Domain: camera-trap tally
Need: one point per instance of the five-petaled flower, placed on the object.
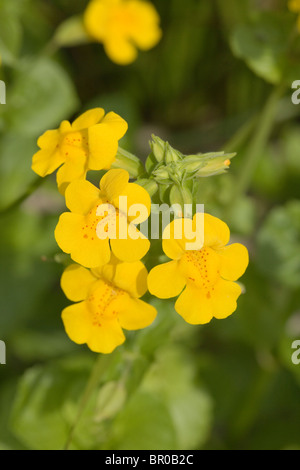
(77, 232)
(123, 26)
(203, 278)
(108, 301)
(90, 143)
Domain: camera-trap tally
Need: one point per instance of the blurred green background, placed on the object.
(219, 80)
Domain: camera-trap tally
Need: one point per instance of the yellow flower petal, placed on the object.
(114, 183)
(135, 194)
(45, 162)
(136, 314)
(76, 282)
(68, 226)
(96, 19)
(103, 146)
(74, 169)
(86, 251)
(234, 261)
(146, 32)
(77, 322)
(216, 232)
(65, 127)
(174, 241)
(88, 119)
(224, 299)
(82, 196)
(49, 140)
(120, 50)
(194, 306)
(117, 124)
(49, 158)
(107, 338)
(165, 281)
(130, 277)
(130, 250)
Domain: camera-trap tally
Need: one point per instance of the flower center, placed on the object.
(104, 222)
(75, 144)
(122, 19)
(90, 224)
(102, 302)
(201, 268)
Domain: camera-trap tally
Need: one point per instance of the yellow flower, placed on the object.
(294, 6)
(78, 232)
(202, 278)
(90, 143)
(108, 302)
(123, 26)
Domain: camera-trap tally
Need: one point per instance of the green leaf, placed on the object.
(189, 405)
(10, 31)
(263, 44)
(145, 424)
(71, 33)
(111, 399)
(46, 404)
(15, 166)
(41, 96)
(279, 245)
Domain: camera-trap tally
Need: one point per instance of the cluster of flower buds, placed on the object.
(173, 174)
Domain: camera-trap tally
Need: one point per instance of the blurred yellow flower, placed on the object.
(203, 279)
(108, 302)
(294, 6)
(90, 143)
(77, 232)
(123, 26)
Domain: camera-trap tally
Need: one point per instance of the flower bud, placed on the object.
(172, 155)
(149, 184)
(129, 162)
(207, 164)
(158, 147)
(215, 166)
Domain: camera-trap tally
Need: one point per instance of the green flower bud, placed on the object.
(215, 166)
(129, 162)
(149, 184)
(172, 155)
(161, 173)
(158, 147)
(207, 164)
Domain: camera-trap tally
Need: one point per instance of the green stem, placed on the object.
(100, 366)
(251, 406)
(262, 133)
(29, 191)
(241, 135)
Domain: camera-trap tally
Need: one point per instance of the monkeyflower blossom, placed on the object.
(123, 26)
(204, 278)
(90, 143)
(98, 223)
(108, 301)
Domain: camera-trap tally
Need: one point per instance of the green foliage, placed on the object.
(264, 44)
(279, 245)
